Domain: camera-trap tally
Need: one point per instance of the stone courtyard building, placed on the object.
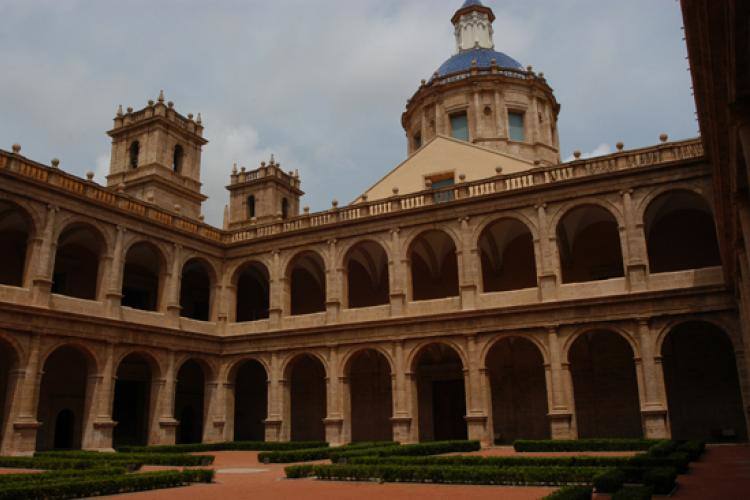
(482, 289)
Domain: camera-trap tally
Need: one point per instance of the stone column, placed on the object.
(173, 287)
(42, 261)
(334, 278)
(398, 269)
(559, 391)
(653, 404)
(278, 287)
(635, 255)
(215, 411)
(97, 415)
(166, 433)
(334, 420)
(277, 397)
(113, 292)
(548, 268)
(468, 266)
(402, 416)
(477, 415)
(21, 425)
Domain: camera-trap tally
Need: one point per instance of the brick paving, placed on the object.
(723, 473)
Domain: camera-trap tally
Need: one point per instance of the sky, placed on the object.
(321, 84)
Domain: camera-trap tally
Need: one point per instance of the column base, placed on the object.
(273, 430)
(166, 434)
(334, 428)
(655, 423)
(22, 441)
(99, 437)
(402, 430)
(561, 425)
(476, 426)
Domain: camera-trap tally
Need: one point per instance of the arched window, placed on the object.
(434, 267)
(307, 281)
(253, 292)
(284, 208)
(177, 159)
(195, 291)
(250, 207)
(367, 275)
(15, 229)
(441, 395)
(142, 277)
(135, 149)
(507, 252)
(76, 271)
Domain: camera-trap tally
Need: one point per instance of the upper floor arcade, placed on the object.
(628, 223)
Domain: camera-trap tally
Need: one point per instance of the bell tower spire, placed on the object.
(473, 26)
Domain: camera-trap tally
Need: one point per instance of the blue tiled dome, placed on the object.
(484, 57)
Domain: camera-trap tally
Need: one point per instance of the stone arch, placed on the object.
(702, 383)
(143, 276)
(17, 229)
(518, 389)
(368, 373)
(197, 281)
(306, 377)
(589, 244)
(306, 279)
(680, 232)
(252, 283)
(507, 256)
(249, 379)
(433, 265)
(63, 395)
(367, 280)
(441, 392)
(78, 257)
(133, 399)
(190, 399)
(605, 384)
(10, 357)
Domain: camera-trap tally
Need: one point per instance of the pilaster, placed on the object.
(559, 391)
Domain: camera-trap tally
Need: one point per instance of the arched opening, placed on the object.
(680, 233)
(519, 390)
(588, 239)
(15, 230)
(188, 402)
(131, 405)
(507, 252)
(8, 363)
(703, 388)
(434, 266)
(441, 394)
(62, 399)
(76, 271)
(141, 279)
(367, 275)
(253, 292)
(250, 207)
(177, 158)
(307, 279)
(307, 376)
(284, 208)
(195, 290)
(135, 150)
(605, 386)
(250, 402)
(370, 397)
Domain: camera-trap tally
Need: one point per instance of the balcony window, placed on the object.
(460, 126)
(515, 123)
(438, 182)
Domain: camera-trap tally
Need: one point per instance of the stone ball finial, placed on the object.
(16, 148)
(121, 188)
(242, 170)
(170, 105)
(55, 163)
(493, 62)
(190, 116)
(150, 102)
(423, 82)
(395, 190)
(364, 197)
(436, 74)
(462, 177)
(177, 207)
(89, 175)
(530, 68)
(262, 164)
(498, 170)
(537, 163)
(306, 210)
(577, 154)
(473, 63)
(663, 137)
(541, 74)
(201, 217)
(130, 109)
(335, 203)
(428, 183)
(620, 146)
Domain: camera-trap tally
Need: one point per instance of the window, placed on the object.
(284, 208)
(442, 181)
(250, 207)
(515, 122)
(177, 159)
(417, 140)
(460, 126)
(135, 149)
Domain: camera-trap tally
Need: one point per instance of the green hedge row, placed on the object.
(50, 463)
(571, 493)
(142, 458)
(98, 486)
(60, 474)
(421, 449)
(585, 445)
(228, 446)
(291, 456)
(661, 479)
(449, 474)
(634, 493)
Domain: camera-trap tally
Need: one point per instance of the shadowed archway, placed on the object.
(371, 402)
(15, 232)
(307, 398)
(434, 266)
(190, 402)
(441, 393)
(507, 253)
(132, 401)
(367, 275)
(250, 401)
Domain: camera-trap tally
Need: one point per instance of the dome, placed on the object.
(462, 61)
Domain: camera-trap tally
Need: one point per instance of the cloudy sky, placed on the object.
(320, 83)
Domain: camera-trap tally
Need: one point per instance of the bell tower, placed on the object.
(156, 157)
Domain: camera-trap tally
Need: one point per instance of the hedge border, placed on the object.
(225, 446)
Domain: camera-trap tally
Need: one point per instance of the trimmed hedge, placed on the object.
(694, 449)
(585, 445)
(50, 463)
(662, 479)
(610, 481)
(60, 474)
(285, 457)
(449, 475)
(634, 493)
(98, 486)
(571, 493)
(228, 446)
(421, 449)
(142, 458)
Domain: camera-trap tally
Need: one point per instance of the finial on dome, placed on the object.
(161, 95)
(119, 110)
(273, 161)
(199, 120)
(234, 169)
